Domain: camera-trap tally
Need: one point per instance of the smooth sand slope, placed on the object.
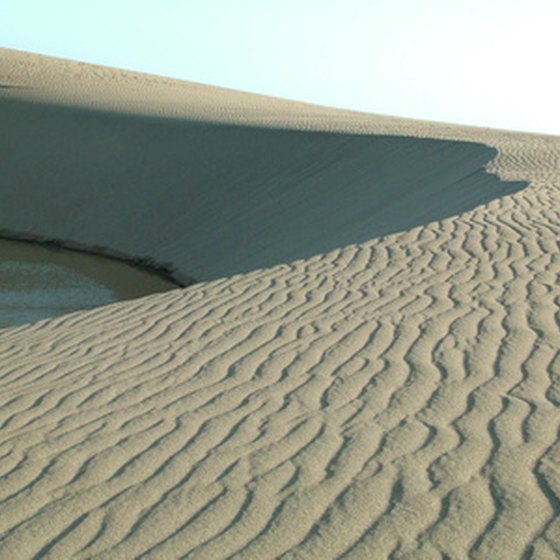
(371, 369)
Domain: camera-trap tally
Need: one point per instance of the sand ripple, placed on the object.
(396, 398)
(392, 397)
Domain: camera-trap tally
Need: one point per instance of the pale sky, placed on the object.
(483, 62)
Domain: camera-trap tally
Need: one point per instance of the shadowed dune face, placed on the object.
(215, 200)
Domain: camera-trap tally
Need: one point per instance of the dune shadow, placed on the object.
(216, 199)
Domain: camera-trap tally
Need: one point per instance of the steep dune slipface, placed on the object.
(394, 397)
(217, 199)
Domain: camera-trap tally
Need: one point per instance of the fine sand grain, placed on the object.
(369, 369)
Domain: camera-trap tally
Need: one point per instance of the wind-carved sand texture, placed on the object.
(371, 368)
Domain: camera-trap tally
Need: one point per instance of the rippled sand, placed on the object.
(371, 369)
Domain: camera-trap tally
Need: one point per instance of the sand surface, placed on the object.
(369, 367)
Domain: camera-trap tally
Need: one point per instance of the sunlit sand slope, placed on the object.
(390, 396)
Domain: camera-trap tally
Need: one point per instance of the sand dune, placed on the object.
(371, 368)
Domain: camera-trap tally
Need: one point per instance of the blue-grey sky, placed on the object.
(482, 62)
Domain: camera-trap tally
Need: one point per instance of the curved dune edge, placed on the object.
(216, 199)
(396, 397)
(163, 270)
